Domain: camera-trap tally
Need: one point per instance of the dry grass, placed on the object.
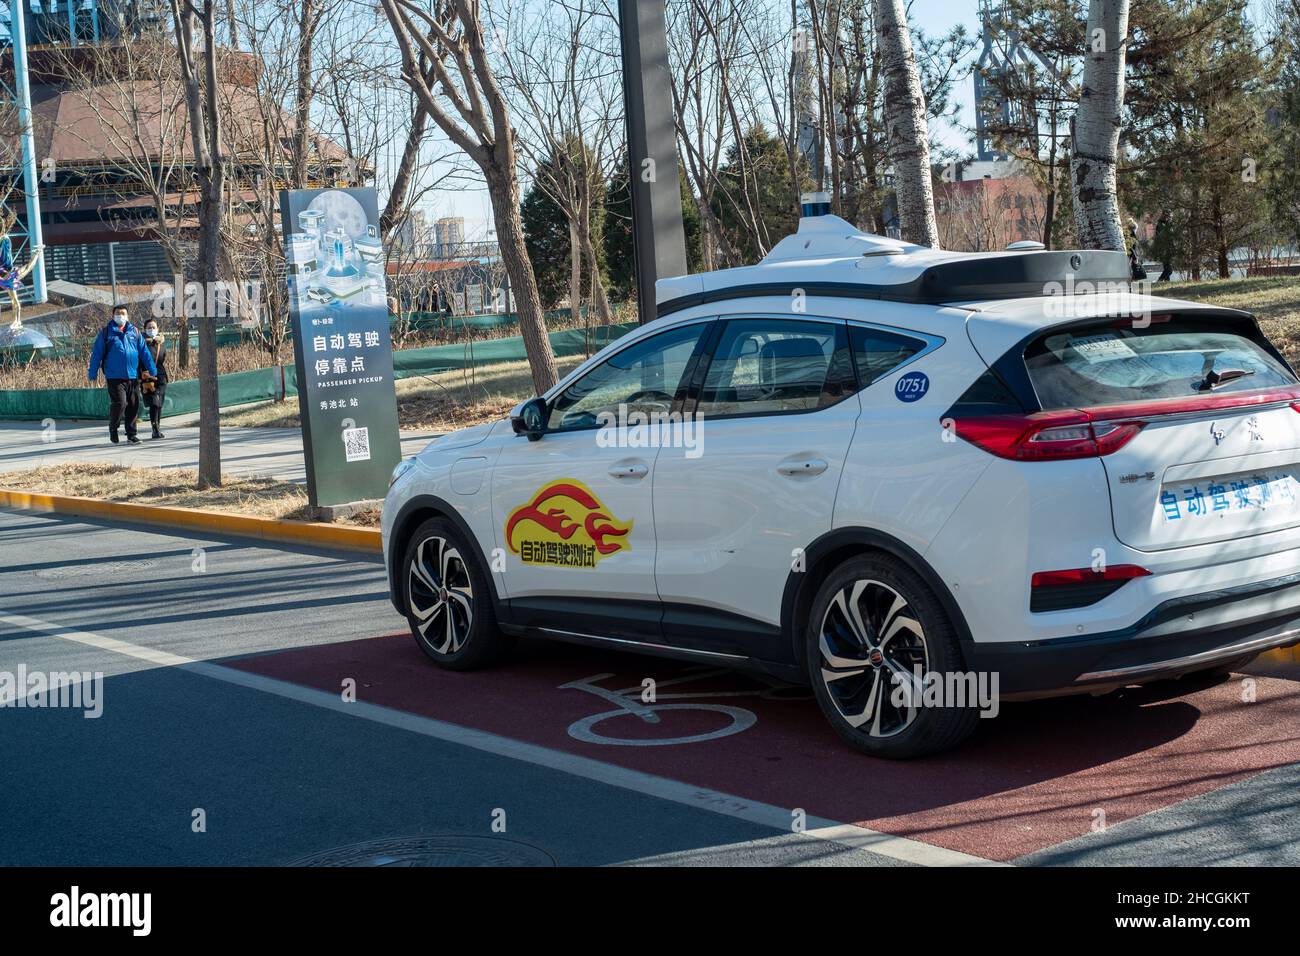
(1274, 299)
(444, 401)
(176, 488)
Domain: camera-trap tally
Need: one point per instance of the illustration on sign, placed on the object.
(338, 301)
(565, 525)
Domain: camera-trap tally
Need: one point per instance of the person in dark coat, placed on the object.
(120, 353)
(154, 387)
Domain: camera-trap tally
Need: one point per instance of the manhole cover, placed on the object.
(88, 570)
(432, 851)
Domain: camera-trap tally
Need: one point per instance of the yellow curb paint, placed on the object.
(312, 533)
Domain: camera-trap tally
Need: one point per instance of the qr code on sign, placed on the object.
(356, 443)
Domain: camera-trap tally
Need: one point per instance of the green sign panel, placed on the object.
(338, 303)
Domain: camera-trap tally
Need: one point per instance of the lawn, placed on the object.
(1274, 299)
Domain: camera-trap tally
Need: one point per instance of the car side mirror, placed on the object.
(530, 419)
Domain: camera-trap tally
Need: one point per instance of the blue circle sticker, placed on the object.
(912, 387)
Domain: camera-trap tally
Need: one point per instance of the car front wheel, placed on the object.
(875, 634)
(448, 601)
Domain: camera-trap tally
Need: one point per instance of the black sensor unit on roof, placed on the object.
(962, 280)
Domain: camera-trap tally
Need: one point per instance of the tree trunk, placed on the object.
(307, 20)
(575, 275)
(907, 126)
(504, 192)
(1096, 127)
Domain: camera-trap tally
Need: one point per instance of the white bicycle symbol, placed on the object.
(630, 703)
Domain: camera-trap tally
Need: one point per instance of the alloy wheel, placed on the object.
(440, 595)
(870, 644)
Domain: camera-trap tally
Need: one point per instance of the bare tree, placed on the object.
(907, 126)
(195, 25)
(564, 78)
(462, 96)
(1097, 127)
(135, 104)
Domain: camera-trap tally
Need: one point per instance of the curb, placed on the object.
(312, 533)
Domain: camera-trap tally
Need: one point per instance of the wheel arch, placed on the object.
(414, 513)
(835, 547)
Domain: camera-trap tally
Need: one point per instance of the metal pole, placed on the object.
(658, 237)
(112, 268)
(30, 180)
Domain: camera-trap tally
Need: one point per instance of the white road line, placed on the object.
(763, 814)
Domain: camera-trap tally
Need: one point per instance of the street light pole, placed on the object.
(658, 237)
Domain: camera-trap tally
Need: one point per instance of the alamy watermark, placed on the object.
(75, 690)
(955, 689)
(637, 429)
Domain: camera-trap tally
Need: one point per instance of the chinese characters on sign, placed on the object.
(1219, 496)
(343, 352)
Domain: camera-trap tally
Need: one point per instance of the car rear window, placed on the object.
(1112, 363)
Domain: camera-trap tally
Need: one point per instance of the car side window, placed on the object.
(641, 378)
(877, 353)
(770, 366)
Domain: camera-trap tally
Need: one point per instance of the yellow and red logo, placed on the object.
(567, 526)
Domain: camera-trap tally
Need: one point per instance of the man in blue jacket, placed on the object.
(120, 353)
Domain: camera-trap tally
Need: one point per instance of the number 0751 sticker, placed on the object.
(912, 387)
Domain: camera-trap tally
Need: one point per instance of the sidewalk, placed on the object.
(245, 452)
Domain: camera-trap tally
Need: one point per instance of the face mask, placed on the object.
(120, 320)
(152, 334)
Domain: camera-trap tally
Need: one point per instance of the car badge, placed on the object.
(1216, 432)
(1252, 425)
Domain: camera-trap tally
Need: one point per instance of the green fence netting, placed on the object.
(261, 384)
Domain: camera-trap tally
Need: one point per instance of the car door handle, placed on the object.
(629, 469)
(793, 467)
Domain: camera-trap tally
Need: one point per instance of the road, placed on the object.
(245, 452)
(265, 706)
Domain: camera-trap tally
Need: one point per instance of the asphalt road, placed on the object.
(272, 696)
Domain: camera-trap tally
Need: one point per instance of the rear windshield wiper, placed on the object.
(1214, 379)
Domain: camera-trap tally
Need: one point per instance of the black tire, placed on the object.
(883, 729)
(449, 600)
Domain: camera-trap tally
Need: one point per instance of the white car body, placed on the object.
(728, 548)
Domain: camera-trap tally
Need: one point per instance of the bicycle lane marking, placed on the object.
(1029, 780)
(714, 801)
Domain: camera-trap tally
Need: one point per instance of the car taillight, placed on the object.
(1078, 587)
(1115, 572)
(1046, 436)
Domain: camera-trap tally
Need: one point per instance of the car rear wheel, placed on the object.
(874, 633)
(448, 600)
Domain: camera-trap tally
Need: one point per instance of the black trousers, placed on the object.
(124, 404)
(155, 404)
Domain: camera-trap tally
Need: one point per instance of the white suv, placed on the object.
(868, 464)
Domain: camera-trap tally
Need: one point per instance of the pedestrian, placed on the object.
(1162, 247)
(153, 388)
(120, 353)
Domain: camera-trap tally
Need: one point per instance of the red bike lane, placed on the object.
(1039, 774)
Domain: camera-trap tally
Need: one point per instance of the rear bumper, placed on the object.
(1178, 637)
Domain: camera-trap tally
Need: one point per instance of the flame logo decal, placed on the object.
(566, 525)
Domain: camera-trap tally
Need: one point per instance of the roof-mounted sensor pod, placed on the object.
(815, 204)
